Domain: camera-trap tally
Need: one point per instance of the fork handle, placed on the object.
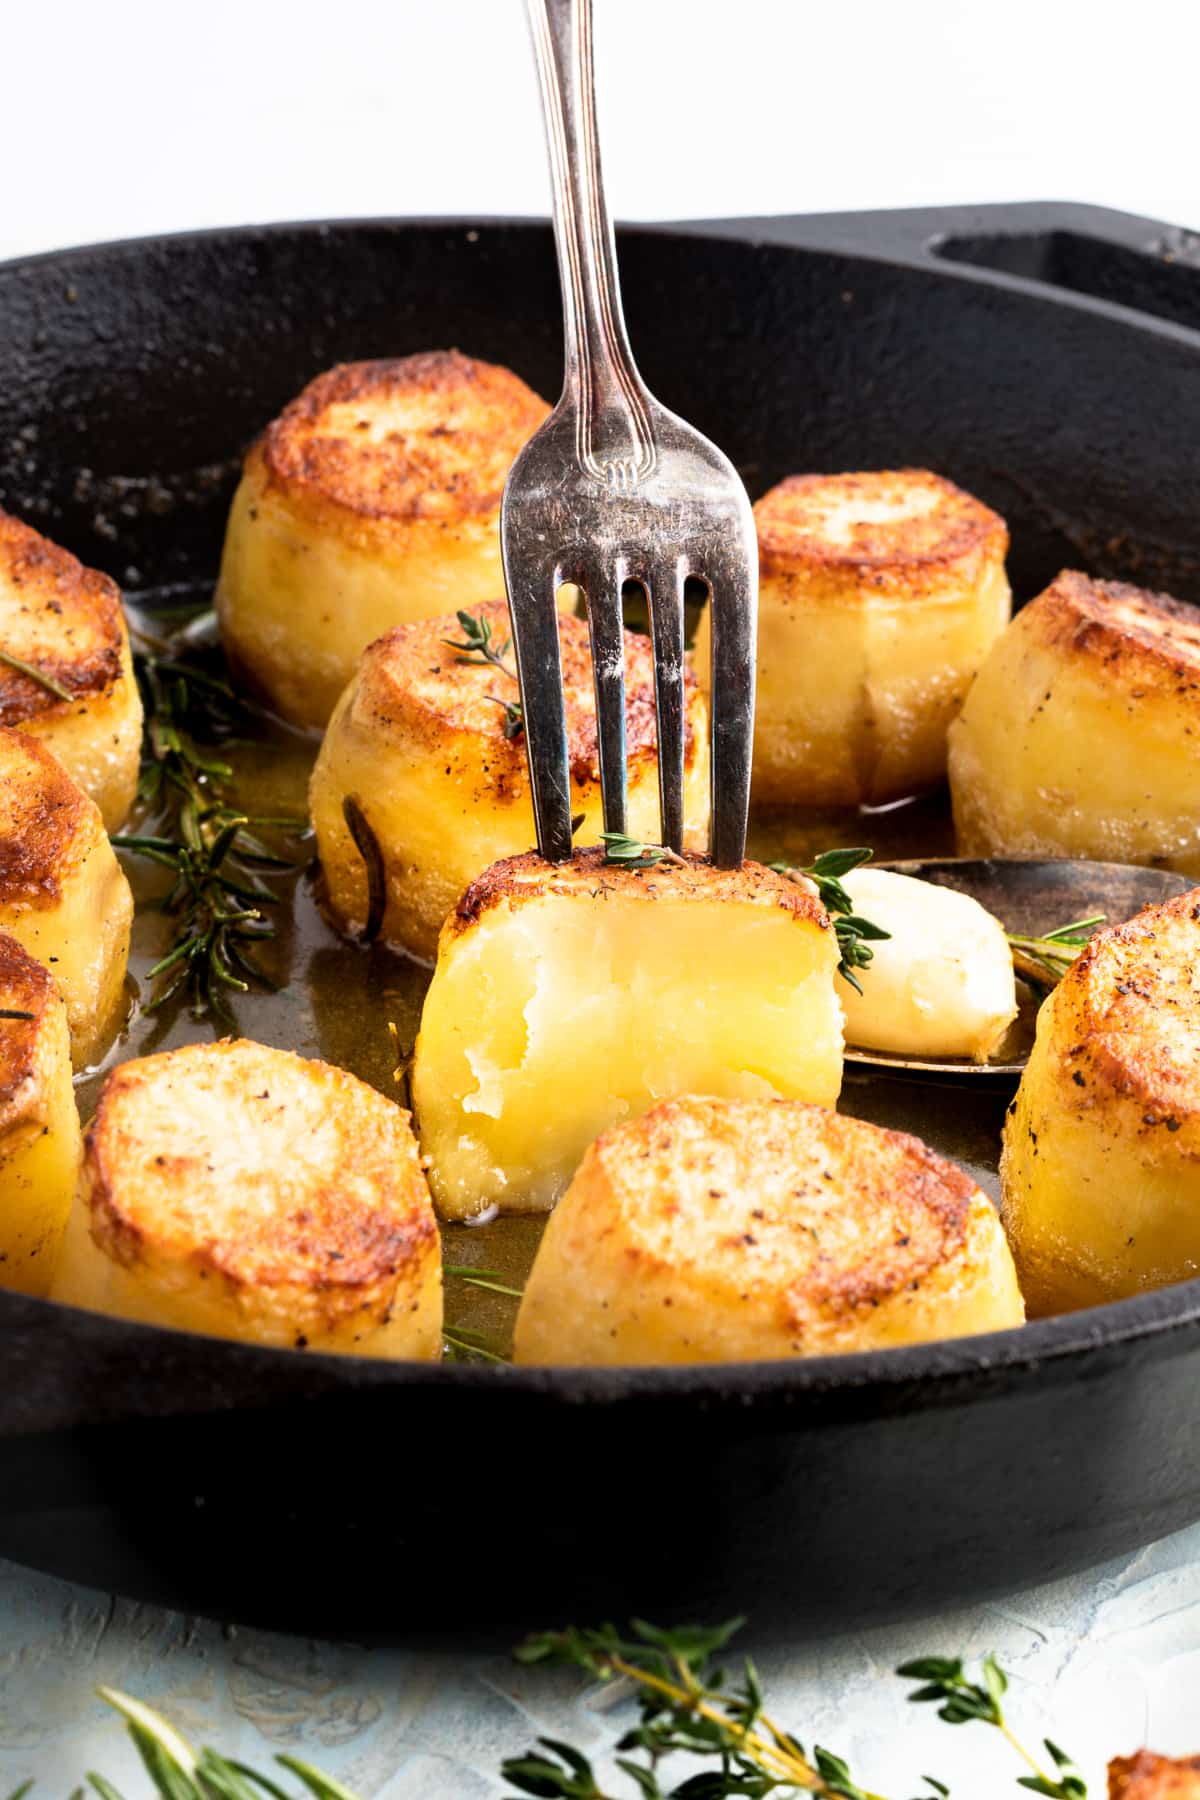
(614, 441)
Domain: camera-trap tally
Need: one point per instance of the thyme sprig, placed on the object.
(218, 858)
(854, 933)
(1043, 961)
(478, 645)
(619, 849)
(687, 1706)
(961, 1702)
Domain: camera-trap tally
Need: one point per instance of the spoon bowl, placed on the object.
(1029, 897)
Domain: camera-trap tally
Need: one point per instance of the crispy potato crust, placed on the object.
(519, 879)
(249, 1193)
(1134, 1003)
(411, 678)
(47, 824)
(415, 437)
(1150, 1777)
(57, 616)
(181, 1157)
(896, 530)
(1148, 640)
(714, 1230)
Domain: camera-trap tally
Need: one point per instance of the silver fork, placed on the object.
(615, 488)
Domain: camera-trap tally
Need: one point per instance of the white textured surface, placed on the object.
(1105, 1662)
(134, 117)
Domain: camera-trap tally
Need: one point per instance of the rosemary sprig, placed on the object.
(960, 1702)
(459, 1342)
(1043, 961)
(39, 675)
(854, 933)
(215, 852)
(479, 646)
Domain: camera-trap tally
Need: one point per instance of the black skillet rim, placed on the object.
(933, 1373)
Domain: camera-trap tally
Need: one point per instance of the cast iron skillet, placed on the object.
(1000, 346)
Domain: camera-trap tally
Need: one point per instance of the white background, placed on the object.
(128, 116)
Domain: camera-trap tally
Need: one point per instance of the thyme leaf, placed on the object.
(478, 645)
(620, 849)
(854, 933)
(960, 1701)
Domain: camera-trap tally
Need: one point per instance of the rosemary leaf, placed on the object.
(39, 675)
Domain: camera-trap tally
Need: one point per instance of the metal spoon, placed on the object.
(1029, 897)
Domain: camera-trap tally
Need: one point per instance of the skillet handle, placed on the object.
(1145, 265)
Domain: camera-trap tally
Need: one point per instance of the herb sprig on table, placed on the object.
(219, 899)
(687, 1708)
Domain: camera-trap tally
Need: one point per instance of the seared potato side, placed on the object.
(68, 623)
(372, 499)
(733, 1231)
(569, 997)
(1149, 1777)
(1100, 1170)
(241, 1191)
(39, 1127)
(1081, 735)
(420, 744)
(63, 894)
(879, 597)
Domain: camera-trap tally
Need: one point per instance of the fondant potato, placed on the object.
(373, 498)
(737, 1231)
(247, 1193)
(567, 998)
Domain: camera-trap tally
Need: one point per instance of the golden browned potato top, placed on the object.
(56, 616)
(267, 1168)
(1149, 1777)
(411, 676)
(46, 823)
(427, 436)
(26, 987)
(861, 1213)
(1148, 640)
(519, 879)
(1131, 1008)
(884, 527)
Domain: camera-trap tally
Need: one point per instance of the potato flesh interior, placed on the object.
(439, 824)
(83, 939)
(1051, 759)
(39, 1158)
(549, 1023)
